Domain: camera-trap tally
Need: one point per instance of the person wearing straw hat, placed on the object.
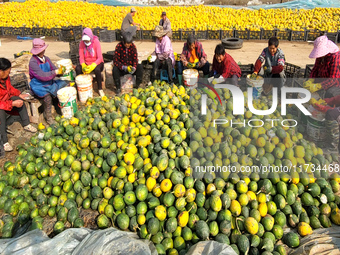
(326, 71)
(91, 58)
(11, 102)
(128, 25)
(166, 24)
(165, 57)
(42, 73)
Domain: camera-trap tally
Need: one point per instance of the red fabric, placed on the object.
(333, 101)
(277, 69)
(6, 94)
(125, 57)
(227, 68)
(258, 65)
(327, 67)
(322, 108)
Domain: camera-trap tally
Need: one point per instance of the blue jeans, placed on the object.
(181, 67)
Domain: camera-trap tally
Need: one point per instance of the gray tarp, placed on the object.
(80, 241)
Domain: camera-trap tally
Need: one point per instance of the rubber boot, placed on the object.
(180, 79)
(332, 127)
(47, 103)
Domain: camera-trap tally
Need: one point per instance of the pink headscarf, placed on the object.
(87, 31)
(322, 47)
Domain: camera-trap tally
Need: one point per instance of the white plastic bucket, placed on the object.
(68, 101)
(67, 63)
(256, 84)
(84, 86)
(190, 78)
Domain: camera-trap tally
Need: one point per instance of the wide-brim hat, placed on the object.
(322, 47)
(38, 46)
(159, 31)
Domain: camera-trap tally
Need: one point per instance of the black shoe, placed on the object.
(118, 92)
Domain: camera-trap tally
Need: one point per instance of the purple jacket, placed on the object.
(36, 72)
(164, 49)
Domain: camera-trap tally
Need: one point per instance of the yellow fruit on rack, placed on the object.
(211, 17)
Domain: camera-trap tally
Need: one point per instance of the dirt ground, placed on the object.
(296, 53)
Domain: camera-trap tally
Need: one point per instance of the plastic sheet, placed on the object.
(300, 4)
(211, 248)
(322, 241)
(78, 241)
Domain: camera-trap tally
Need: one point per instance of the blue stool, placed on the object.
(164, 75)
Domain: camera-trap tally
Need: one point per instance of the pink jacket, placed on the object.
(90, 54)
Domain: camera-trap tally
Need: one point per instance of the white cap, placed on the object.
(86, 38)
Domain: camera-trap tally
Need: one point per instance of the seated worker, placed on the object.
(331, 106)
(125, 61)
(273, 60)
(164, 53)
(224, 65)
(193, 56)
(128, 21)
(326, 70)
(166, 24)
(11, 101)
(42, 73)
(91, 57)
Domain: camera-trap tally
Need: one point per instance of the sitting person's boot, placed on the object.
(47, 103)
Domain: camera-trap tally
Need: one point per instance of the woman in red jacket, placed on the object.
(11, 100)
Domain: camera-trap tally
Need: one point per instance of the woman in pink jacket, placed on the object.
(90, 57)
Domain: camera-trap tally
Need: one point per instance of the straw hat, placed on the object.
(159, 31)
(38, 46)
(323, 46)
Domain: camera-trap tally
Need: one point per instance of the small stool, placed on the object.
(32, 107)
(103, 78)
(164, 75)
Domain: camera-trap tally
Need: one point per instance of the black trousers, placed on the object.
(117, 73)
(3, 116)
(162, 64)
(97, 71)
